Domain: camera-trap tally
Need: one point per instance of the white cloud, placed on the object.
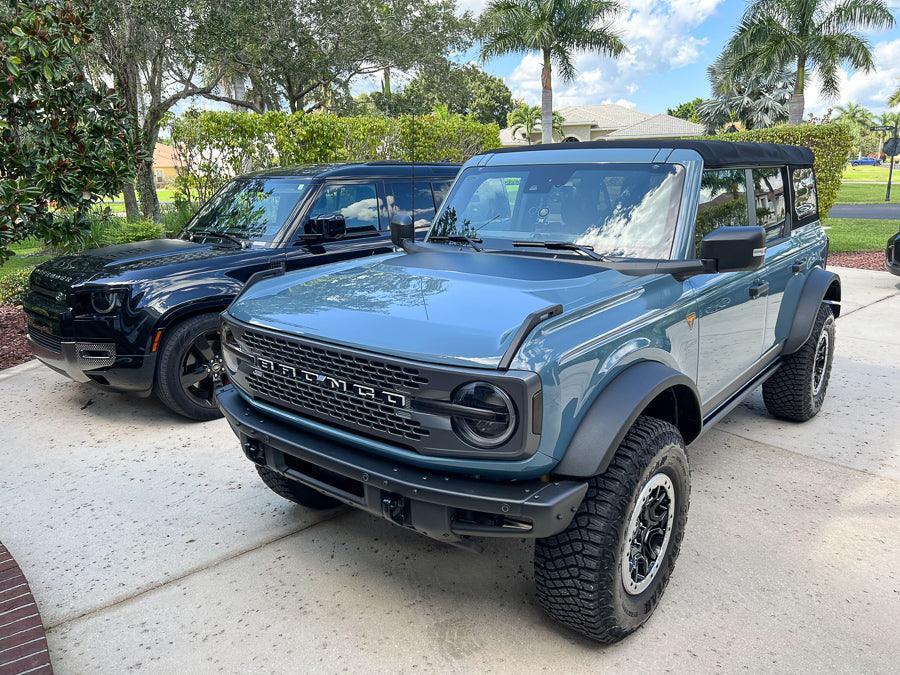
(869, 89)
(659, 37)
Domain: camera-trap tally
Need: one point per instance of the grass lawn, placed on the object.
(873, 193)
(872, 173)
(849, 235)
(27, 255)
(117, 203)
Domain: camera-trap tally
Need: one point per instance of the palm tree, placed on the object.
(811, 34)
(894, 100)
(524, 118)
(754, 99)
(555, 28)
(855, 115)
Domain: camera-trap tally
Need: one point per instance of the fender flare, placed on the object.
(615, 409)
(820, 286)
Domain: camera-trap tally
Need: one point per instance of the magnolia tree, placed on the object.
(66, 145)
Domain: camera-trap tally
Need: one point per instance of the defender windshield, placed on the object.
(621, 210)
(249, 210)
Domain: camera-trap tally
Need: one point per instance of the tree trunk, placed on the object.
(546, 101)
(147, 189)
(796, 102)
(132, 212)
(386, 84)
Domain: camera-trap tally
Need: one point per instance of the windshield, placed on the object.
(251, 210)
(621, 210)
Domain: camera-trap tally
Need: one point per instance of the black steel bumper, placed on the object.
(443, 506)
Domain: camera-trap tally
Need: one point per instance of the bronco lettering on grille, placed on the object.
(391, 398)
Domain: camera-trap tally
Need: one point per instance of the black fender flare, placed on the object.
(820, 286)
(615, 409)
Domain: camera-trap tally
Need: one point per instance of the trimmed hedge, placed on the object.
(830, 144)
(13, 287)
(214, 146)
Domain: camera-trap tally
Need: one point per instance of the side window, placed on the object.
(440, 190)
(358, 203)
(723, 202)
(770, 200)
(411, 199)
(806, 205)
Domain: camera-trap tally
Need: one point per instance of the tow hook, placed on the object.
(393, 507)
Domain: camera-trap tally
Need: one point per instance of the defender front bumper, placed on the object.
(443, 506)
(72, 359)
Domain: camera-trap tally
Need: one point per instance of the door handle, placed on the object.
(799, 266)
(758, 289)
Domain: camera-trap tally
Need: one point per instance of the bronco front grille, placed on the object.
(348, 410)
(45, 340)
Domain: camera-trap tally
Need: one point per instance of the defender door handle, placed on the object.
(799, 266)
(758, 289)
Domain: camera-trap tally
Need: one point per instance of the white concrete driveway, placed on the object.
(151, 545)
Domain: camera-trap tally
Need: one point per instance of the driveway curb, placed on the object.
(23, 644)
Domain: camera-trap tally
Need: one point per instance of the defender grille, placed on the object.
(45, 340)
(355, 412)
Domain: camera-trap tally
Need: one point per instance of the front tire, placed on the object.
(604, 574)
(797, 389)
(294, 491)
(190, 367)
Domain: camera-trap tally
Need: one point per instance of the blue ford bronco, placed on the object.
(576, 315)
(144, 317)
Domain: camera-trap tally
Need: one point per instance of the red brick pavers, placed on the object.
(23, 645)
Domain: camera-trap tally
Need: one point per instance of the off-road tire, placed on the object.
(294, 491)
(790, 394)
(578, 572)
(168, 387)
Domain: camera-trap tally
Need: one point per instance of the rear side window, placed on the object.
(770, 200)
(440, 189)
(806, 205)
(408, 198)
(357, 202)
(723, 201)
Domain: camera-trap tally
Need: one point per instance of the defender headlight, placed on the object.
(105, 302)
(486, 416)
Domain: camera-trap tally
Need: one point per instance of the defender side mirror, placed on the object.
(734, 249)
(326, 226)
(402, 230)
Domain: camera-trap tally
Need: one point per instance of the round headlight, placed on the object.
(104, 302)
(490, 418)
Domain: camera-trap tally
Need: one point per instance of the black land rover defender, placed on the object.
(144, 317)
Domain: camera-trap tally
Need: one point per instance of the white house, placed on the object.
(609, 121)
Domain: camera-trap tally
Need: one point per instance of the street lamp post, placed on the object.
(891, 148)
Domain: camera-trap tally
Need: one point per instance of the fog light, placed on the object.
(490, 418)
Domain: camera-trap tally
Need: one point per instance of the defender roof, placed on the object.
(361, 170)
(715, 154)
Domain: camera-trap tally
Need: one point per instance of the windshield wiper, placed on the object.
(562, 246)
(220, 235)
(474, 242)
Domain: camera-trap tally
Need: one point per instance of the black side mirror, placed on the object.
(734, 249)
(402, 229)
(327, 226)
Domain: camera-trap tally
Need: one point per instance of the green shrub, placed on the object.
(830, 144)
(175, 217)
(214, 146)
(13, 287)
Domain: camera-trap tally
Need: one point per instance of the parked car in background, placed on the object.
(144, 317)
(892, 255)
(577, 314)
(865, 161)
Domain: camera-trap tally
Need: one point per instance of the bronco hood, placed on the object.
(120, 260)
(446, 307)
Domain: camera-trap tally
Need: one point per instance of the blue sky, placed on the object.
(671, 44)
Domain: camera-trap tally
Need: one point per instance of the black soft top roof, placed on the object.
(715, 154)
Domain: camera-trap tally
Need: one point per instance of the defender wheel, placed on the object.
(294, 491)
(797, 389)
(604, 574)
(190, 367)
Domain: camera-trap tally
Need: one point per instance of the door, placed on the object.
(410, 198)
(731, 305)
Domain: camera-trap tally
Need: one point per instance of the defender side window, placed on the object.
(770, 201)
(440, 189)
(723, 202)
(407, 198)
(357, 202)
(806, 205)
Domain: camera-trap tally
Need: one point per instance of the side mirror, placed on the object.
(402, 230)
(734, 249)
(327, 226)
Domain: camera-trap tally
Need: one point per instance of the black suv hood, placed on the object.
(122, 259)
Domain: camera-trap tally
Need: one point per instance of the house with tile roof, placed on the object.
(609, 120)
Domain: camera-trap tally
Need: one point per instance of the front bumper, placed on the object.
(444, 506)
(73, 359)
